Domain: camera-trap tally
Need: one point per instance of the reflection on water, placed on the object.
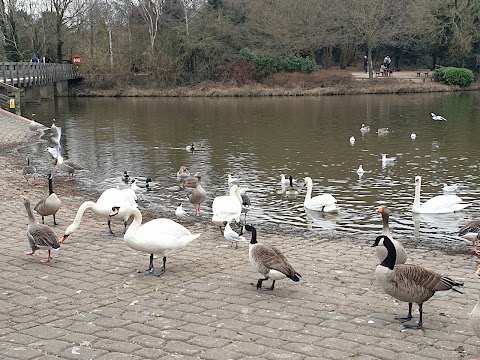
(257, 140)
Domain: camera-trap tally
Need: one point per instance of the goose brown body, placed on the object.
(471, 231)
(50, 204)
(29, 171)
(198, 194)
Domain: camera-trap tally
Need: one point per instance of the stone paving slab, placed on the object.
(90, 303)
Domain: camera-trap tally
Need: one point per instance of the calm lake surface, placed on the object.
(258, 139)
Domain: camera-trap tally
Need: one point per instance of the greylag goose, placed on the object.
(382, 253)
(440, 204)
(198, 194)
(158, 236)
(268, 261)
(50, 204)
(29, 171)
(39, 235)
(103, 207)
(231, 235)
(324, 202)
(471, 232)
(410, 283)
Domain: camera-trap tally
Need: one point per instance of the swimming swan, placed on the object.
(324, 202)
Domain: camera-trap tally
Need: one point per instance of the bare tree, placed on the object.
(151, 11)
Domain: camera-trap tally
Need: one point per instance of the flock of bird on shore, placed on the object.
(405, 282)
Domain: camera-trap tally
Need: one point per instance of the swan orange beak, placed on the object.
(114, 211)
(64, 237)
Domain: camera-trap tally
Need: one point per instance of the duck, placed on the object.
(413, 136)
(352, 140)
(180, 212)
(410, 283)
(142, 182)
(268, 261)
(50, 204)
(125, 177)
(103, 207)
(231, 235)
(198, 194)
(139, 186)
(383, 131)
(232, 180)
(475, 314)
(450, 188)
(227, 208)
(29, 171)
(381, 251)
(360, 170)
(194, 146)
(437, 117)
(471, 232)
(365, 128)
(440, 204)
(324, 202)
(386, 159)
(40, 236)
(183, 172)
(159, 236)
(245, 202)
(291, 191)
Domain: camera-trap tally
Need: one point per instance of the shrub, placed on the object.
(454, 76)
(239, 73)
(321, 78)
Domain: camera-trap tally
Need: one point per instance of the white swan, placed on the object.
(158, 236)
(227, 208)
(324, 202)
(440, 204)
(438, 117)
(103, 207)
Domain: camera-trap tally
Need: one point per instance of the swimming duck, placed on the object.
(231, 235)
(29, 171)
(227, 208)
(381, 251)
(50, 204)
(183, 172)
(440, 204)
(158, 236)
(438, 117)
(410, 283)
(103, 207)
(40, 236)
(471, 232)
(268, 261)
(198, 194)
(324, 202)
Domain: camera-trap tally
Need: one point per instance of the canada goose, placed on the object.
(39, 235)
(231, 235)
(158, 236)
(401, 257)
(29, 171)
(475, 314)
(268, 261)
(410, 283)
(183, 172)
(440, 204)
(198, 194)
(103, 207)
(324, 202)
(352, 140)
(471, 232)
(180, 212)
(227, 208)
(365, 128)
(438, 117)
(291, 190)
(245, 202)
(50, 204)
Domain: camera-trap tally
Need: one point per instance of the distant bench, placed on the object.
(380, 73)
(426, 72)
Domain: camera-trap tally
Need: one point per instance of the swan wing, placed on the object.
(320, 202)
(442, 204)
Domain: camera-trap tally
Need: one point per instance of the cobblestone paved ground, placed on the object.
(89, 302)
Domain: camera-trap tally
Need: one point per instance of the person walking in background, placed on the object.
(387, 62)
(365, 63)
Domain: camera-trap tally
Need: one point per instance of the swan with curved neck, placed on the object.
(324, 202)
(103, 207)
(440, 204)
(158, 236)
(227, 208)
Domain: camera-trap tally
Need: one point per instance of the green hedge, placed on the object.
(454, 76)
(267, 64)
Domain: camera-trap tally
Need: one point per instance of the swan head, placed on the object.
(418, 180)
(308, 181)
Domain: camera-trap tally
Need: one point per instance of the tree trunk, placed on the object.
(59, 39)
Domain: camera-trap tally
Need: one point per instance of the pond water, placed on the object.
(258, 139)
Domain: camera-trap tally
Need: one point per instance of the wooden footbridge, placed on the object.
(33, 81)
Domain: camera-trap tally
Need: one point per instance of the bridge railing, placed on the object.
(24, 74)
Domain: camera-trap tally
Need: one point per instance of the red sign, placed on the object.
(76, 59)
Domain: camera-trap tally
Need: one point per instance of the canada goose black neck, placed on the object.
(254, 233)
(50, 184)
(290, 179)
(389, 261)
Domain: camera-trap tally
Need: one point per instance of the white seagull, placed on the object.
(438, 117)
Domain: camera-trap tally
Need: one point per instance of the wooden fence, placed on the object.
(24, 74)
